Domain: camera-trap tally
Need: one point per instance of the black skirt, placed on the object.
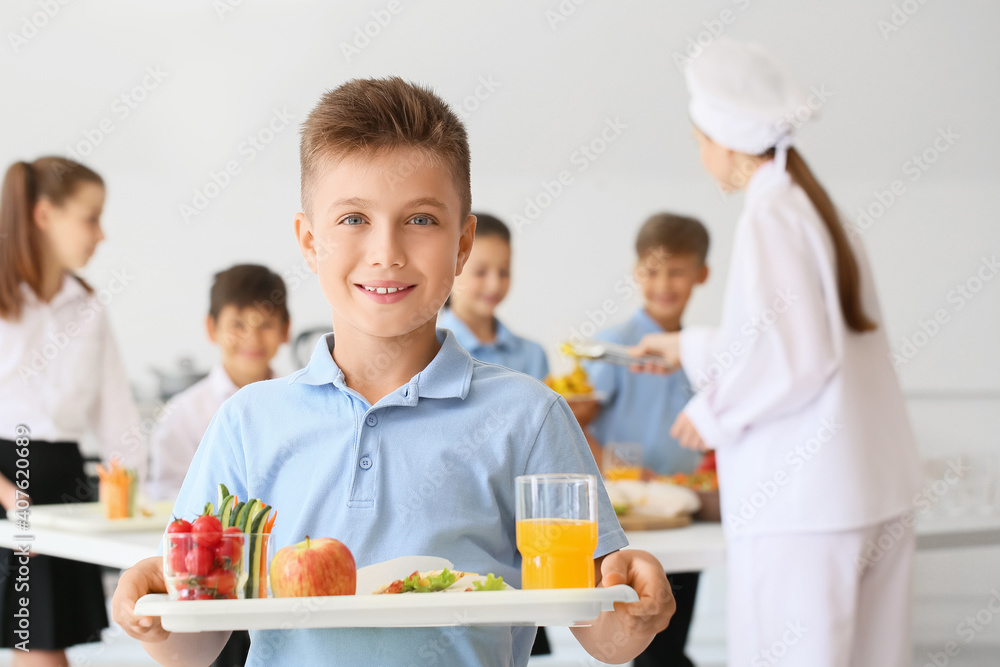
(65, 597)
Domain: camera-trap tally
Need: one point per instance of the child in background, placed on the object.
(61, 377)
(388, 402)
(639, 407)
(248, 319)
(477, 294)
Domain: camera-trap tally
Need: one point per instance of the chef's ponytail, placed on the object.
(25, 183)
(848, 276)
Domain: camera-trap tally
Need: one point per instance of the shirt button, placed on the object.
(371, 419)
(366, 462)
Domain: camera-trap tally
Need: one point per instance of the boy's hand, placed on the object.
(144, 577)
(620, 635)
(666, 345)
(685, 433)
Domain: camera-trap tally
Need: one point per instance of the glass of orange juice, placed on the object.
(557, 530)
(622, 460)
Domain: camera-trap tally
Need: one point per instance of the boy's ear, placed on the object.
(306, 240)
(703, 273)
(210, 327)
(465, 243)
(285, 330)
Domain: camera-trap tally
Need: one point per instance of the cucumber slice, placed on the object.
(225, 509)
(246, 515)
(223, 492)
(234, 516)
(209, 509)
(254, 527)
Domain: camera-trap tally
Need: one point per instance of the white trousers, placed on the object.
(838, 599)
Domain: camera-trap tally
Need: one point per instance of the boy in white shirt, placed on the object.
(248, 320)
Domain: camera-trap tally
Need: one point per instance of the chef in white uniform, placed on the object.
(796, 393)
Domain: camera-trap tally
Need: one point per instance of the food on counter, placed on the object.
(657, 498)
(699, 481)
(446, 581)
(569, 386)
(116, 490)
(323, 566)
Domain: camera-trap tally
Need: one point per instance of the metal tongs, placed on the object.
(612, 353)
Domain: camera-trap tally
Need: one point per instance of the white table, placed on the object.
(703, 545)
(696, 547)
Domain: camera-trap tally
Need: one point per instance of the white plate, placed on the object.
(565, 606)
(89, 518)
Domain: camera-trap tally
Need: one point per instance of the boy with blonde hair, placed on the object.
(392, 420)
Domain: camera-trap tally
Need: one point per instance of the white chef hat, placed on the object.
(745, 99)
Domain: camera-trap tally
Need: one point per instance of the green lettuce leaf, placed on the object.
(491, 584)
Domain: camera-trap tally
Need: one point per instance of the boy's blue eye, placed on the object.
(421, 220)
(354, 220)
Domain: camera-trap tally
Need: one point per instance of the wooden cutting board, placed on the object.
(637, 521)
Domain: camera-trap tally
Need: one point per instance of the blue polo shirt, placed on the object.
(427, 470)
(507, 349)
(641, 407)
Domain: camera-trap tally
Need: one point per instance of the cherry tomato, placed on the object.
(199, 561)
(225, 584)
(230, 549)
(207, 530)
(186, 593)
(179, 526)
(177, 559)
(204, 596)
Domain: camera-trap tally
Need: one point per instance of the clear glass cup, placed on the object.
(198, 567)
(556, 527)
(622, 460)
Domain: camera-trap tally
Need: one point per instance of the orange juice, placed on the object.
(557, 553)
(623, 472)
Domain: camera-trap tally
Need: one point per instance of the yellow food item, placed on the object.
(117, 490)
(574, 384)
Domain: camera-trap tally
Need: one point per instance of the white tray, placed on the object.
(89, 518)
(564, 606)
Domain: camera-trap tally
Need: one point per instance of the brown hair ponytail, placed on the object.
(51, 178)
(848, 277)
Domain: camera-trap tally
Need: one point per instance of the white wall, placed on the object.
(555, 88)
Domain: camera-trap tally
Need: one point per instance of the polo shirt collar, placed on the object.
(504, 338)
(447, 376)
(222, 385)
(646, 324)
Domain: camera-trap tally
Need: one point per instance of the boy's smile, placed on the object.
(386, 244)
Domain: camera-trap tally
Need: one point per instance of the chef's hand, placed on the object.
(9, 494)
(620, 635)
(144, 577)
(684, 432)
(665, 345)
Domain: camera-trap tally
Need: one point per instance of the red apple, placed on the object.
(322, 566)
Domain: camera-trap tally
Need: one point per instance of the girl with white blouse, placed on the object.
(61, 377)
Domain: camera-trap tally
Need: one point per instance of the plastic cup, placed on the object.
(556, 530)
(199, 568)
